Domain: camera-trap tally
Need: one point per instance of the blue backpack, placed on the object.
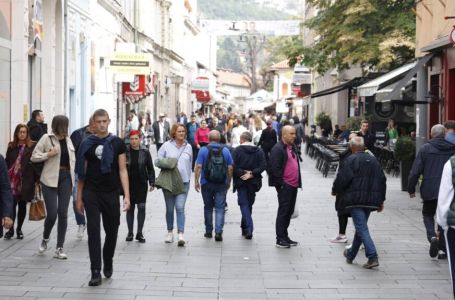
(215, 167)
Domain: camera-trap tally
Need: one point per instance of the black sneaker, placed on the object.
(208, 235)
(434, 246)
(371, 263)
(442, 255)
(282, 244)
(9, 234)
(291, 242)
(218, 237)
(96, 278)
(129, 237)
(140, 238)
(19, 234)
(348, 260)
(108, 270)
(248, 236)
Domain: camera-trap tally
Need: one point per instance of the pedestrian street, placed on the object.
(237, 268)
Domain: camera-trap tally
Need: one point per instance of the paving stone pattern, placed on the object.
(237, 268)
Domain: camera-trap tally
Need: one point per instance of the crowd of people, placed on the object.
(97, 169)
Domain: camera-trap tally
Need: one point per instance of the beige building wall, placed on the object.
(430, 22)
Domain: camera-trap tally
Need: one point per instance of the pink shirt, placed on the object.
(291, 170)
(202, 135)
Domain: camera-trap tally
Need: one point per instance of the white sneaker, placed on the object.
(341, 238)
(43, 246)
(80, 232)
(350, 246)
(60, 254)
(181, 241)
(169, 237)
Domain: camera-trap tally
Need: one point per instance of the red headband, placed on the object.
(135, 132)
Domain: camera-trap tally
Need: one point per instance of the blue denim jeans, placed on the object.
(246, 195)
(214, 195)
(176, 202)
(362, 235)
(80, 219)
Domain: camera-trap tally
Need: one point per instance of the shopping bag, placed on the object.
(37, 210)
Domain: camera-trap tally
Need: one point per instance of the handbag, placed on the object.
(37, 210)
(295, 214)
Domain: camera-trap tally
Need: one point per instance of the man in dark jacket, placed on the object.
(249, 163)
(368, 138)
(36, 125)
(268, 139)
(161, 130)
(429, 163)
(6, 197)
(362, 185)
(285, 177)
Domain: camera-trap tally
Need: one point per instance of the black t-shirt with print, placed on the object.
(94, 179)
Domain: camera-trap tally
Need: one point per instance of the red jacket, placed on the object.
(201, 135)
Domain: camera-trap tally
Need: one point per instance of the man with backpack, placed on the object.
(214, 167)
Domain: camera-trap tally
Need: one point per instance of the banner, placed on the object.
(200, 83)
(272, 28)
(37, 20)
(130, 63)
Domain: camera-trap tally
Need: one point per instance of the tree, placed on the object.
(227, 55)
(375, 34)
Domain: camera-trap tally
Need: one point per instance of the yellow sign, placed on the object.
(130, 63)
(25, 113)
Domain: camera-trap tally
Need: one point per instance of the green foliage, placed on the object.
(227, 54)
(323, 120)
(405, 148)
(238, 10)
(370, 33)
(353, 123)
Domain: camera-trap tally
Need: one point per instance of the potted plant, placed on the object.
(405, 152)
(324, 121)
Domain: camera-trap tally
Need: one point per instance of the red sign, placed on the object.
(202, 96)
(135, 88)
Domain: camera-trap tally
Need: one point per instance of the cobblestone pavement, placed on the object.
(238, 268)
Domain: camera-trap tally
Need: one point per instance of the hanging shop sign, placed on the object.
(200, 83)
(134, 88)
(202, 96)
(130, 63)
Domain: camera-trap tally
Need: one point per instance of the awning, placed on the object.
(371, 87)
(442, 42)
(395, 94)
(351, 83)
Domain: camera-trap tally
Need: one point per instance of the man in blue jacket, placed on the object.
(249, 163)
(361, 184)
(429, 163)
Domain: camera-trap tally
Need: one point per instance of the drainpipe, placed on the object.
(65, 59)
(421, 109)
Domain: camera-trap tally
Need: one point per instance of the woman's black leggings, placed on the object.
(21, 212)
(342, 223)
(140, 217)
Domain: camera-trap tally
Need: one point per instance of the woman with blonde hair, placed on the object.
(179, 149)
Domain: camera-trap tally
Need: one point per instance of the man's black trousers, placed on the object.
(286, 203)
(106, 204)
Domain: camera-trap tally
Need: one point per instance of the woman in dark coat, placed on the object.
(141, 175)
(21, 175)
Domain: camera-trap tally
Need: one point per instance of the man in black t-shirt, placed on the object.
(101, 170)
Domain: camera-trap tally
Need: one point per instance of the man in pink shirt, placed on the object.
(285, 177)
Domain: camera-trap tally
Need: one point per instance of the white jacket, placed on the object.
(445, 196)
(51, 169)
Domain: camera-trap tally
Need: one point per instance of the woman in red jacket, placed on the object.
(201, 137)
(21, 175)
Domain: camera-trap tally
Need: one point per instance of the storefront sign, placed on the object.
(202, 96)
(135, 88)
(301, 78)
(201, 83)
(130, 63)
